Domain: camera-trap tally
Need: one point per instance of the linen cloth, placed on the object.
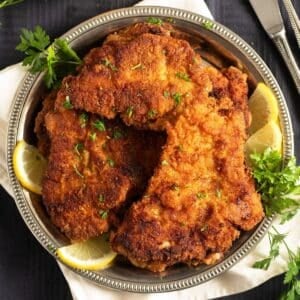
(239, 278)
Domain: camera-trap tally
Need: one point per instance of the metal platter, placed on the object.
(218, 46)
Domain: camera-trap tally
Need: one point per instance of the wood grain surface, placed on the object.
(27, 272)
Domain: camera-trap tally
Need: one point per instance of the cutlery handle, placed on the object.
(281, 42)
(295, 22)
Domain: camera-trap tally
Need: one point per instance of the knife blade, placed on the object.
(268, 13)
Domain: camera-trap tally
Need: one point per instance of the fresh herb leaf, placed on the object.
(117, 134)
(166, 94)
(183, 76)
(101, 198)
(67, 103)
(83, 118)
(155, 21)
(151, 113)
(56, 59)
(111, 162)
(208, 24)
(103, 214)
(177, 98)
(106, 62)
(278, 183)
(201, 195)
(129, 111)
(93, 136)
(99, 125)
(275, 242)
(218, 193)
(9, 2)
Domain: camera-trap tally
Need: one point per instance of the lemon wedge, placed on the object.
(263, 107)
(268, 136)
(29, 166)
(93, 254)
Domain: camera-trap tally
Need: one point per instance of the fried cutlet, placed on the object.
(137, 74)
(201, 195)
(95, 165)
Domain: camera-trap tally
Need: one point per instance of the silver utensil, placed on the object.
(269, 15)
(295, 22)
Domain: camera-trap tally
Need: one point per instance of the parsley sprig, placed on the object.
(279, 186)
(56, 59)
(6, 3)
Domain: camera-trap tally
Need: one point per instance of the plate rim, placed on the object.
(25, 87)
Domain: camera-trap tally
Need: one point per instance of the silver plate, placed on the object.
(219, 46)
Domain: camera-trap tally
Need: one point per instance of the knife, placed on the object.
(269, 15)
(295, 22)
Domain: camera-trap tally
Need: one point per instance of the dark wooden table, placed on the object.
(27, 272)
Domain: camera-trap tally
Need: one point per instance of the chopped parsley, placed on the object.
(99, 125)
(201, 195)
(117, 134)
(106, 62)
(129, 111)
(67, 103)
(155, 21)
(103, 214)
(101, 198)
(177, 98)
(93, 136)
(183, 76)
(208, 24)
(78, 148)
(166, 94)
(83, 118)
(139, 66)
(111, 162)
(151, 113)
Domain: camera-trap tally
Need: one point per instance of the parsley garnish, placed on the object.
(117, 134)
(183, 76)
(278, 185)
(9, 2)
(201, 195)
(208, 24)
(78, 148)
(155, 21)
(103, 214)
(111, 162)
(177, 98)
(56, 59)
(129, 111)
(218, 193)
(166, 94)
(99, 125)
(101, 198)
(138, 66)
(83, 118)
(106, 62)
(67, 103)
(151, 113)
(93, 136)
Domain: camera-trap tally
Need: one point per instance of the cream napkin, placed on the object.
(239, 278)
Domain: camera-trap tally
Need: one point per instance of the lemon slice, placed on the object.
(268, 136)
(263, 107)
(93, 254)
(29, 166)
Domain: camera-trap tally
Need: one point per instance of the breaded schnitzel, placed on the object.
(201, 195)
(95, 165)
